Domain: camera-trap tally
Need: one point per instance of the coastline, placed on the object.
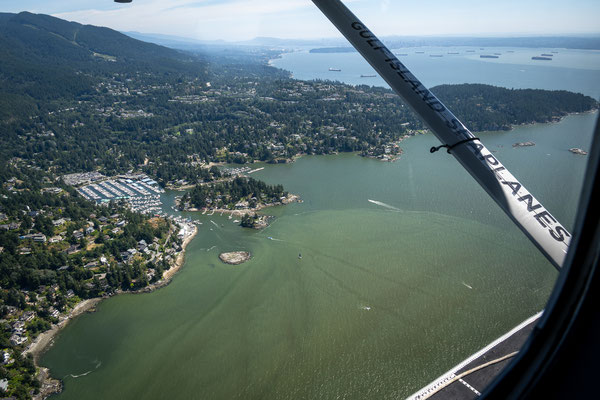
(168, 275)
(291, 198)
(44, 340)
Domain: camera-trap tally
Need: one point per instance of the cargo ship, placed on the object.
(541, 58)
(487, 56)
(335, 69)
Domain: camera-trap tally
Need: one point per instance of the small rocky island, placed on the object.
(576, 150)
(523, 144)
(235, 257)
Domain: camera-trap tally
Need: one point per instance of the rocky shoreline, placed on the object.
(49, 385)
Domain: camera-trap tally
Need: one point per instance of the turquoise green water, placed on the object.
(386, 297)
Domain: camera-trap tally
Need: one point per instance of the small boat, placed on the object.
(299, 255)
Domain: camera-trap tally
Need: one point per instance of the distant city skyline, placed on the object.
(237, 20)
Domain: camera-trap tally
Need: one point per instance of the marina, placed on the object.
(439, 277)
(141, 193)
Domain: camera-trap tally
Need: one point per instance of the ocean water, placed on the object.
(574, 70)
(407, 268)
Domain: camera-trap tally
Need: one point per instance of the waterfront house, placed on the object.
(17, 340)
(18, 327)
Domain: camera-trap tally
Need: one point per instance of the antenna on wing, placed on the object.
(551, 238)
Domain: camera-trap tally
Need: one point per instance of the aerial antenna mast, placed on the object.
(551, 238)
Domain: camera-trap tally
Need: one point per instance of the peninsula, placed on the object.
(239, 195)
(67, 111)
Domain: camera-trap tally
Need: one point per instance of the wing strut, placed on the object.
(551, 238)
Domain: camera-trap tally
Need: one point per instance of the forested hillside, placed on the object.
(491, 108)
(78, 98)
(46, 58)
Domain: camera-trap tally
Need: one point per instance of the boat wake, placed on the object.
(98, 364)
(214, 223)
(272, 238)
(382, 204)
(80, 375)
(211, 248)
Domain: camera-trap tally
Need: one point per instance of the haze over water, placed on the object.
(407, 268)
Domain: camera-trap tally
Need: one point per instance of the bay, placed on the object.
(573, 70)
(388, 294)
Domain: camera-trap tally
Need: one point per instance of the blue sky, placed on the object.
(246, 19)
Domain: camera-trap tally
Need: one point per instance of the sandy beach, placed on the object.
(37, 347)
(168, 275)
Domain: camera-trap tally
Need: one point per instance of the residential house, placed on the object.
(27, 316)
(17, 340)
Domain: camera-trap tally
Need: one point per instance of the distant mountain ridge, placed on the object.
(45, 58)
(583, 42)
(35, 34)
